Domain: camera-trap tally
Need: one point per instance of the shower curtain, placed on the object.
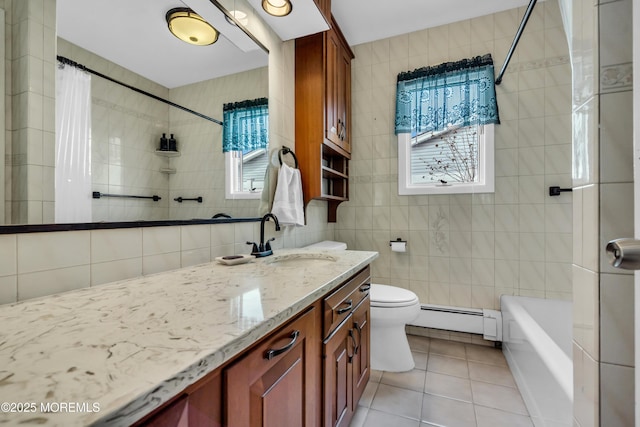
(73, 145)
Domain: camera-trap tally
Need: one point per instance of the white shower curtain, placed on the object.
(73, 145)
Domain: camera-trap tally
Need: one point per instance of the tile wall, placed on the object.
(30, 124)
(603, 346)
(39, 264)
(467, 250)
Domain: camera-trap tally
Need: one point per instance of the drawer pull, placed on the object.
(345, 309)
(365, 288)
(270, 354)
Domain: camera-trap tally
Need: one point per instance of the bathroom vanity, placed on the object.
(281, 340)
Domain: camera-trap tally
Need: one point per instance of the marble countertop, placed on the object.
(110, 354)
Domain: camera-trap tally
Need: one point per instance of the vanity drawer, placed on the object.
(338, 305)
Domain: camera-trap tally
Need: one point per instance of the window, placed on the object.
(245, 142)
(459, 160)
(445, 118)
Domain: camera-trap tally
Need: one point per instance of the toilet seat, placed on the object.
(386, 296)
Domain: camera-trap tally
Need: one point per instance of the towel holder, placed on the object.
(287, 150)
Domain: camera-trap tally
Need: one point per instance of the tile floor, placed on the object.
(453, 384)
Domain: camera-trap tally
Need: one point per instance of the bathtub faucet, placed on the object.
(264, 248)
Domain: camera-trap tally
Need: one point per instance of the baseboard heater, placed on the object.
(485, 322)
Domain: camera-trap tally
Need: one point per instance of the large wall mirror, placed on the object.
(130, 42)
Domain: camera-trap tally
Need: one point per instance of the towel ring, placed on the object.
(287, 150)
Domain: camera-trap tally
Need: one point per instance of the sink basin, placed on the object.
(301, 259)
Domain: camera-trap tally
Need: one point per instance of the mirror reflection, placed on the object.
(133, 144)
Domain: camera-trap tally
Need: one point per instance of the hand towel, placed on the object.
(287, 201)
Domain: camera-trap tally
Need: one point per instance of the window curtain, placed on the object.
(246, 125)
(73, 145)
(431, 99)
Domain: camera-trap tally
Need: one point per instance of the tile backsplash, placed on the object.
(40, 264)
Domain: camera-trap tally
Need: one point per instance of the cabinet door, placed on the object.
(174, 415)
(343, 103)
(338, 376)
(332, 87)
(276, 384)
(361, 370)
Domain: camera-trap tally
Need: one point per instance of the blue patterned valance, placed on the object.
(454, 93)
(246, 125)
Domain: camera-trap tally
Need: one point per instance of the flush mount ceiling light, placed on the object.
(277, 7)
(188, 26)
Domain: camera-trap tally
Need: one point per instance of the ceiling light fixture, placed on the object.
(188, 26)
(277, 7)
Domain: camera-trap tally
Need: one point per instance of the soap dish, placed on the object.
(234, 259)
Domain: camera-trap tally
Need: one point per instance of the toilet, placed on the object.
(391, 309)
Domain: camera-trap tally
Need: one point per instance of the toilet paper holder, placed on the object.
(398, 245)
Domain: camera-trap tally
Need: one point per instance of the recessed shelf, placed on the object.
(166, 153)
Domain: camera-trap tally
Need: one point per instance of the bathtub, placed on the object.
(537, 345)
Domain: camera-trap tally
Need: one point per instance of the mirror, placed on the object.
(126, 126)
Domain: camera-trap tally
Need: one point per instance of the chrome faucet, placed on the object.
(264, 248)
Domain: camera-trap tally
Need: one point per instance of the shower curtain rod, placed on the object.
(68, 61)
(525, 18)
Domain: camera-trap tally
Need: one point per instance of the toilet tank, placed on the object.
(328, 245)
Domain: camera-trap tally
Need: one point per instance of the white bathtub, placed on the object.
(537, 344)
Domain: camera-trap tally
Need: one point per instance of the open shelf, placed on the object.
(166, 153)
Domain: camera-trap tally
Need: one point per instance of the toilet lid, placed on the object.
(391, 296)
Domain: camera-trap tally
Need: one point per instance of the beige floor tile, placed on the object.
(489, 417)
(498, 397)
(482, 354)
(412, 380)
(448, 386)
(420, 344)
(398, 401)
(500, 375)
(368, 394)
(448, 348)
(359, 417)
(447, 412)
(448, 366)
(382, 419)
(420, 359)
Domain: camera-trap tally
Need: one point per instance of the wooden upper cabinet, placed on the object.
(323, 116)
(338, 107)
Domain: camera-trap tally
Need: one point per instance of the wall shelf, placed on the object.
(166, 153)
(168, 171)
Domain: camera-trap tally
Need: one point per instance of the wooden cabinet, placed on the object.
(277, 383)
(310, 372)
(323, 116)
(346, 349)
(200, 405)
